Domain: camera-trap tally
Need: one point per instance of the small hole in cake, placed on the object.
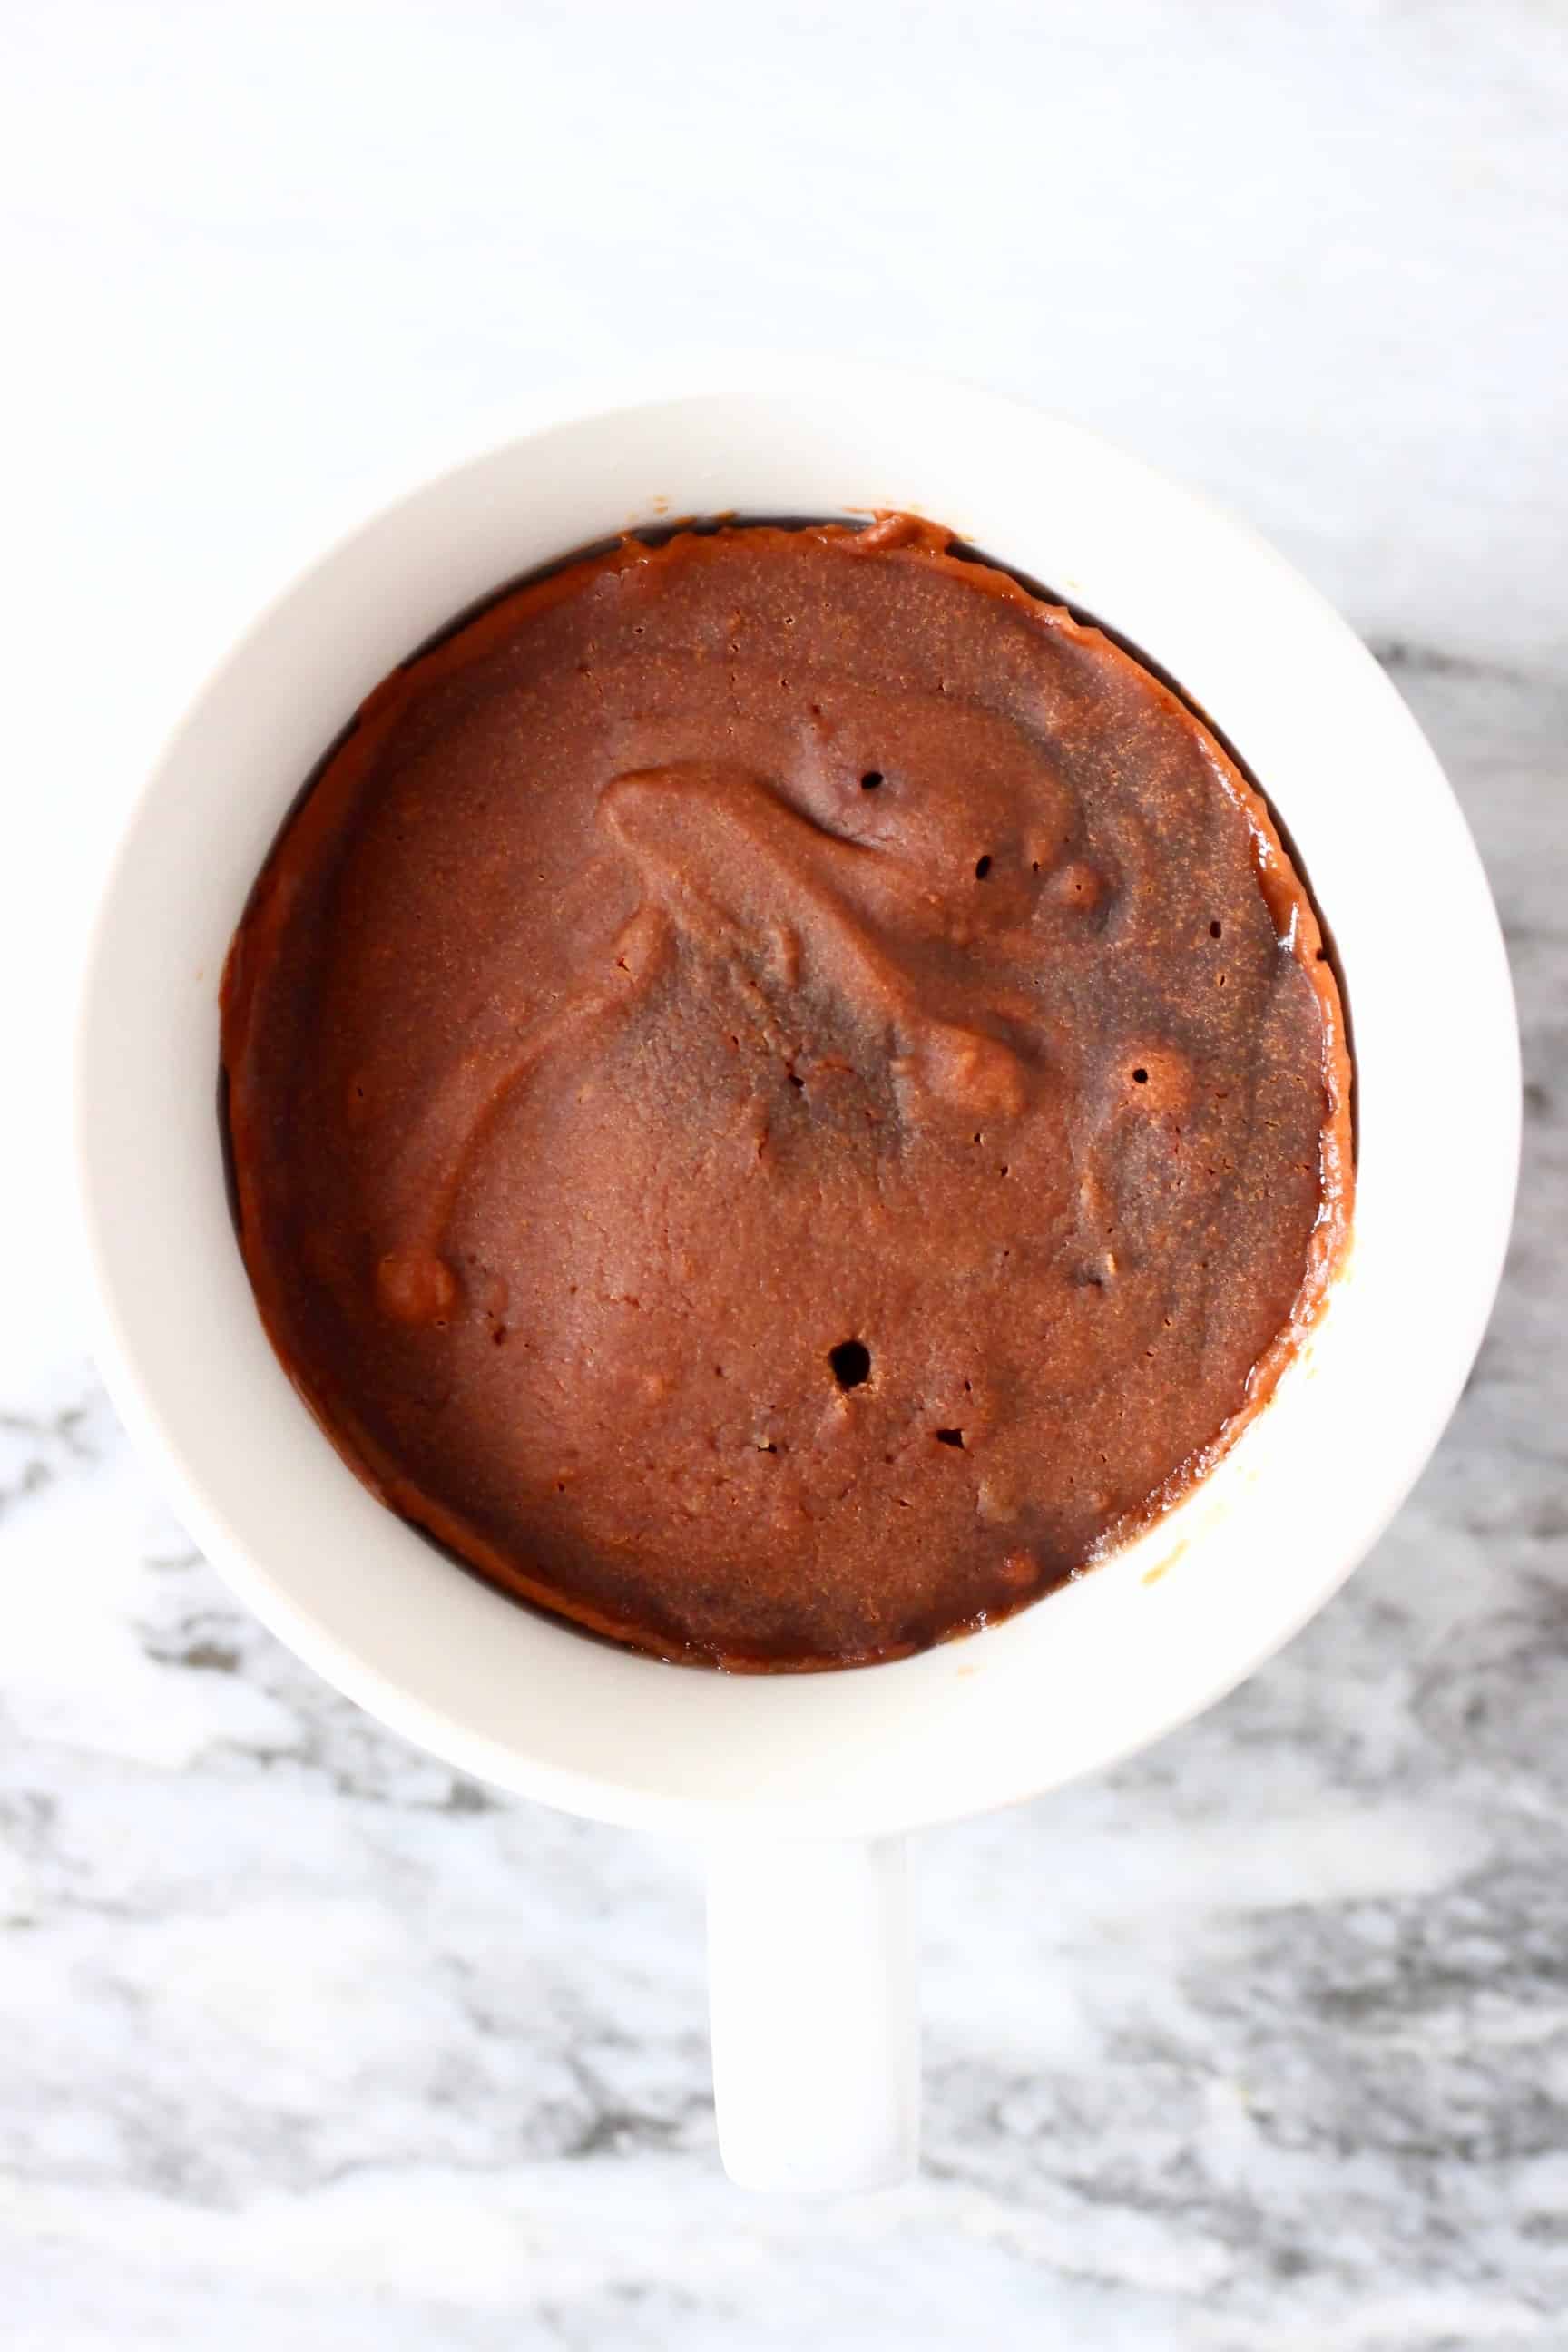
(1139, 1077)
(851, 1363)
(498, 1337)
(796, 1080)
(1216, 930)
(982, 868)
(949, 1437)
(871, 781)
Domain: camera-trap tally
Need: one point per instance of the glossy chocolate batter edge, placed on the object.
(330, 790)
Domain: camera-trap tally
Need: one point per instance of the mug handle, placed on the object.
(815, 2032)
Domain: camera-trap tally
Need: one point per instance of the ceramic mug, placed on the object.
(805, 1786)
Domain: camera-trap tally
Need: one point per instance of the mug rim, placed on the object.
(144, 1398)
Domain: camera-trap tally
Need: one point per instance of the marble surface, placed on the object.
(1257, 2044)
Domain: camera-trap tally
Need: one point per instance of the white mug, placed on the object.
(806, 1786)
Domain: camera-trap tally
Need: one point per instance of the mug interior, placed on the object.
(1183, 1612)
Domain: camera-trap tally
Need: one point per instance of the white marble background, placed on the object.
(1260, 2044)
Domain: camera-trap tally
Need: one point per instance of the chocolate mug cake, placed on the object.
(783, 1094)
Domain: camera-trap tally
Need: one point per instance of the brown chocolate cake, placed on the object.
(783, 1094)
